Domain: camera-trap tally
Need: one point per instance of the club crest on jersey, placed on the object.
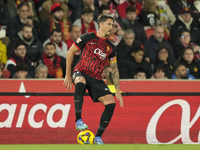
(108, 48)
(100, 53)
(78, 40)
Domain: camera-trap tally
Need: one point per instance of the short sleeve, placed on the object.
(113, 58)
(81, 41)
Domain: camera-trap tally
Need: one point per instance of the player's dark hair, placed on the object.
(87, 10)
(56, 30)
(136, 49)
(50, 44)
(21, 67)
(103, 18)
(139, 70)
(103, 7)
(20, 42)
(130, 9)
(22, 4)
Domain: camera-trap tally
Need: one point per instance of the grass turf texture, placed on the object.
(100, 147)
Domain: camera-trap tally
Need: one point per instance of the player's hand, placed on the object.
(120, 99)
(68, 82)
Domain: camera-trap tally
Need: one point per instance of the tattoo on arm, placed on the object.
(115, 74)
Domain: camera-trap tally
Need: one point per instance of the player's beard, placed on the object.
(50, 56)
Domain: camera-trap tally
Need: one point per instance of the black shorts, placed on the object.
(96, 88)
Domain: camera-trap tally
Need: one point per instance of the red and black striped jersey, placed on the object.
(94, 53)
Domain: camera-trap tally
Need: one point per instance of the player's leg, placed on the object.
(80, 83)
(109, 102)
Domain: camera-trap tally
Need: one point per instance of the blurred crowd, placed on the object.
(154, 39)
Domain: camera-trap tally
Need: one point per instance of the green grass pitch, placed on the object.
(100, 147)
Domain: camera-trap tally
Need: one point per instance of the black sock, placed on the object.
(78, 99)
(105, 118)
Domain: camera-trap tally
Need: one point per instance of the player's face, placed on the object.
(57, 37)
(21, 51)
(188, 55)
(50, 51)
(107, 27)
(42, 73)
(140, 75)
(87, 18)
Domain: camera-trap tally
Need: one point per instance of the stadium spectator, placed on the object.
(21, 72)
(13, 5)
(45, 12)
(41, 72)
(131, 23)
(55, 64)
(185, 41)
(19, 56)
(117, 32)
(155, 41)
(77, 11)
(56, 21)
(185, 22)
(187, 59)
(74, 34)
(56, 38)
(3, 48)
(147, 16)
(86, 22)
(165, 14)
(177, 5)
(181, 73)
(131, 61)
(4, 14)
(112, 6)
(34, 48)
(126, 44)
(159, 72)
(123, 4)
(140, 73)
(163, 58)
(1, 70)
(16, 23)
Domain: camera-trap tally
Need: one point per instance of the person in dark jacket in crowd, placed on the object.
(131, 23)
(126, 44)
(56, 64)
(34, 48)
(15, 24)
(185, 22)
(76, 13)
(187, 58)
(177, 5)
(131, 61)
(185, 41)
(19, 57)
(4, 14)
(182, 73)
(162, 58)
(155, 41)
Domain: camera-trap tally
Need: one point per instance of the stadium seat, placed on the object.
(6, 73)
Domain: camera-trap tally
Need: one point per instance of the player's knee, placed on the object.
(109, 100)
(80, 80)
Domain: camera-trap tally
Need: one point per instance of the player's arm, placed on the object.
(115, 77)
(69, 59)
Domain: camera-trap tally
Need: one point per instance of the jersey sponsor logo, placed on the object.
(78, 40)
(100, 53)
